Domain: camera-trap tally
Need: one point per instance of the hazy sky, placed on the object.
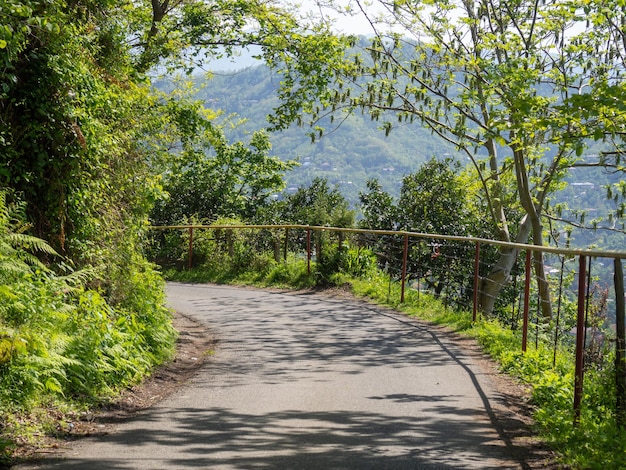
(344, 24)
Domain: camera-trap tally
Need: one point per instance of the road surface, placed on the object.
(304, 381)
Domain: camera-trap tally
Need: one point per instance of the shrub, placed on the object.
(62, 341)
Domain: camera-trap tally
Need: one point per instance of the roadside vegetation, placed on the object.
(63, 346)
(596, 442)
(92, 153)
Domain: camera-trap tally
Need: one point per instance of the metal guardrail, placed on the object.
(582, 254)
(520, 246)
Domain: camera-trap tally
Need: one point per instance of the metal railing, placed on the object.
(399, 247)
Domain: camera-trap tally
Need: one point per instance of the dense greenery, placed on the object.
(86, 147)
(318, 205)
(61, 340)
(81, 325)
(436, 199)
(220, 180)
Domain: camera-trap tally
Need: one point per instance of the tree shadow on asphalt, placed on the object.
(223, 438)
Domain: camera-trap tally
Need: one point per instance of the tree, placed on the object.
(69, 108)
(377, 206)
(433, 201)
(500, 80)
(219, 179)
(436, 199)
(81, 129)
(318, 205)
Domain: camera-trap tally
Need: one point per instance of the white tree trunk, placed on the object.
(500, 274)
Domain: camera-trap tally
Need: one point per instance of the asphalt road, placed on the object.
(303, 381)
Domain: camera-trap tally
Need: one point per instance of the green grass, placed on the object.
(262, 272)
(595, 443)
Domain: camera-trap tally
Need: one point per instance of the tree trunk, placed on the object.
(533, 212)
(500, 274)
(543, 285)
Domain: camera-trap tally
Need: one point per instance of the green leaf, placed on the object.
(579, 149)
(53, 385)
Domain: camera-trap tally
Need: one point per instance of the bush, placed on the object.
(64, 342)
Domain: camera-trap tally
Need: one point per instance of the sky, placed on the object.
(345, 24)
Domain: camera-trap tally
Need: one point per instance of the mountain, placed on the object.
(348, 154)
(356, 150)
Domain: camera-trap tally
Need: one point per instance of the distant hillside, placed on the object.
(357, 150)
(347, 155)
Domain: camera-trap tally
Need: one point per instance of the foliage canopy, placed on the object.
(519, 87)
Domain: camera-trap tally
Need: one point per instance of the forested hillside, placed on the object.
(349, 152)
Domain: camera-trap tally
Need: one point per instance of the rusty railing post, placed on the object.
(190, 261)
(526, 301)
(620, 344)
(476, 281)
(580, 338)
(308, 250)
(286, 244)
(405, 258)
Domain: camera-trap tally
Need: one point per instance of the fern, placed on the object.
(17, 249)
(28, 242)
(61, 340)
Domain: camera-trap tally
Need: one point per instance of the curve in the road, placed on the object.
(303, 381)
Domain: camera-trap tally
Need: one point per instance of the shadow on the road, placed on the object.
(302, 338)
(308, 333)
(214, 438)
